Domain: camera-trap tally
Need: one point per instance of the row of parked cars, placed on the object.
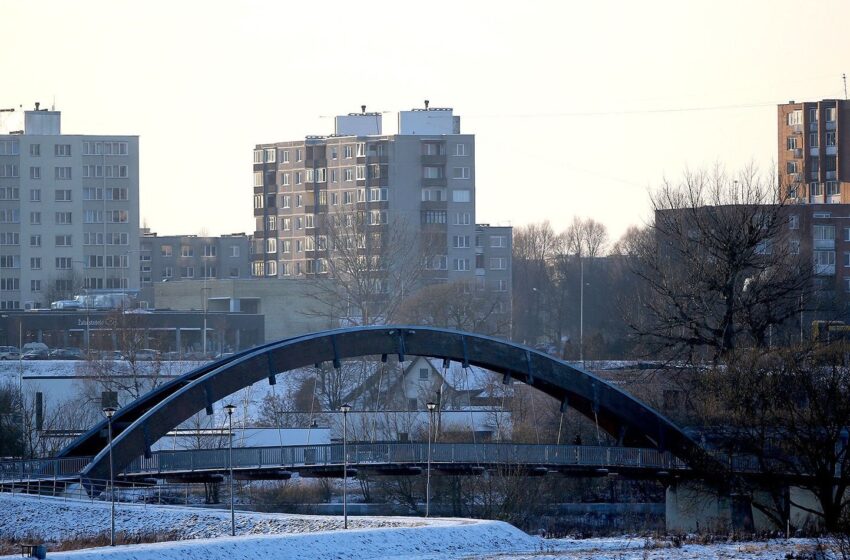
(40, 351)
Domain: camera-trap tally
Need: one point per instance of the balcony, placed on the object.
(824, 243)
(831, 175)
(814, 151)
(824, 270)
(434, 160)
(813, 126)
(796, 128)
(831, 150)
(796, 152)
(830, 125)
(439, 182)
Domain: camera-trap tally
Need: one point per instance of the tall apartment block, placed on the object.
(422, 179)
(174, 258)
(814, 156)
(69, 210)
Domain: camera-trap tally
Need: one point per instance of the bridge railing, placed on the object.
(33, 469)
(404, 453)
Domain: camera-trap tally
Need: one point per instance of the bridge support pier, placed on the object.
(693, 506)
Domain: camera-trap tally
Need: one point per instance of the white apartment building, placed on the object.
(69, 210)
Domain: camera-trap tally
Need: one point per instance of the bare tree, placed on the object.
(716, 265)
(457, 305)
(367, 266)
(789, 412)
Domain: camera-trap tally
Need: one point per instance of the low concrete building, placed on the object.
(288, 308)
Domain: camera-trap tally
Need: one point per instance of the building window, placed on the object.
(348, 151)
(62, 150)
(847, 259)
(234, 250)
(431, 172)
(63, 241)
(460, 149)
(816, 189)
(830, 138)
(9, 170)
(794, 117)
(461, 195)
(793, 221)
(63, 195)
(62, 173)
(63, 218)
(187, 251)
(35, 150)
(270, 155)
(847, 284)
(35, 218)
(258, 156)
(423, 373)
(361, 172)
(460, 241)
(461, 264)
(498, 263)
(284, 156)
(463, 219)
(833, 188)
(187, 272)
(823, 233)
(498, 241)
(461, 173)
(285, 179)
(830, 114)
(361, 149)
(813, 140)
(258, 178)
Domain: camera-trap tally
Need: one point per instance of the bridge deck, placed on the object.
(377, 457)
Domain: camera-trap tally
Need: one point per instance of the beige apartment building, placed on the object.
(69, 210)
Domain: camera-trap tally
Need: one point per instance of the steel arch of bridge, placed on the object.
(141, 423)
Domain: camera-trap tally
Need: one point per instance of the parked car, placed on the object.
(66, 354)
(146, 354)
(9, 353)
(112, 355)
(34, 346)
(36, 354)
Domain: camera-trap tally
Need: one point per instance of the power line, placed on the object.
(626, 111)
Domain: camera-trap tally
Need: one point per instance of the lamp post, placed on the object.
(431, 407)
(229, 408)
(345, 409)
(109, 412)
(581, 312)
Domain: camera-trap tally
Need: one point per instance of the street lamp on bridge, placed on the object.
(229, 408)
(109, 412)
(431, 407)
(345, 409)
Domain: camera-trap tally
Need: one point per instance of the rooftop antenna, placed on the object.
(363, 109)
(53, 105)
(426, 104)
(844, 77)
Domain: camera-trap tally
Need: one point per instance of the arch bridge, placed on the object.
(141, 423)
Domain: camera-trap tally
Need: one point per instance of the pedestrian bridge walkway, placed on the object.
(375, 458)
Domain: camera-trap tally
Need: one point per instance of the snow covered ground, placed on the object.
(202, 535)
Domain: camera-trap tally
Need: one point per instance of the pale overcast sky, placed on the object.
(578, 107)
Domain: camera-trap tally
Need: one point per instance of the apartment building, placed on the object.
(69, 210)
(171, 258)
(813, 155)
(421, 180)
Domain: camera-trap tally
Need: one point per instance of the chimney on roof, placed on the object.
(363, 109)
(36, 105)
(426, 104)
(791, 102)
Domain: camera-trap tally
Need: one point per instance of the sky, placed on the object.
(579, 108)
